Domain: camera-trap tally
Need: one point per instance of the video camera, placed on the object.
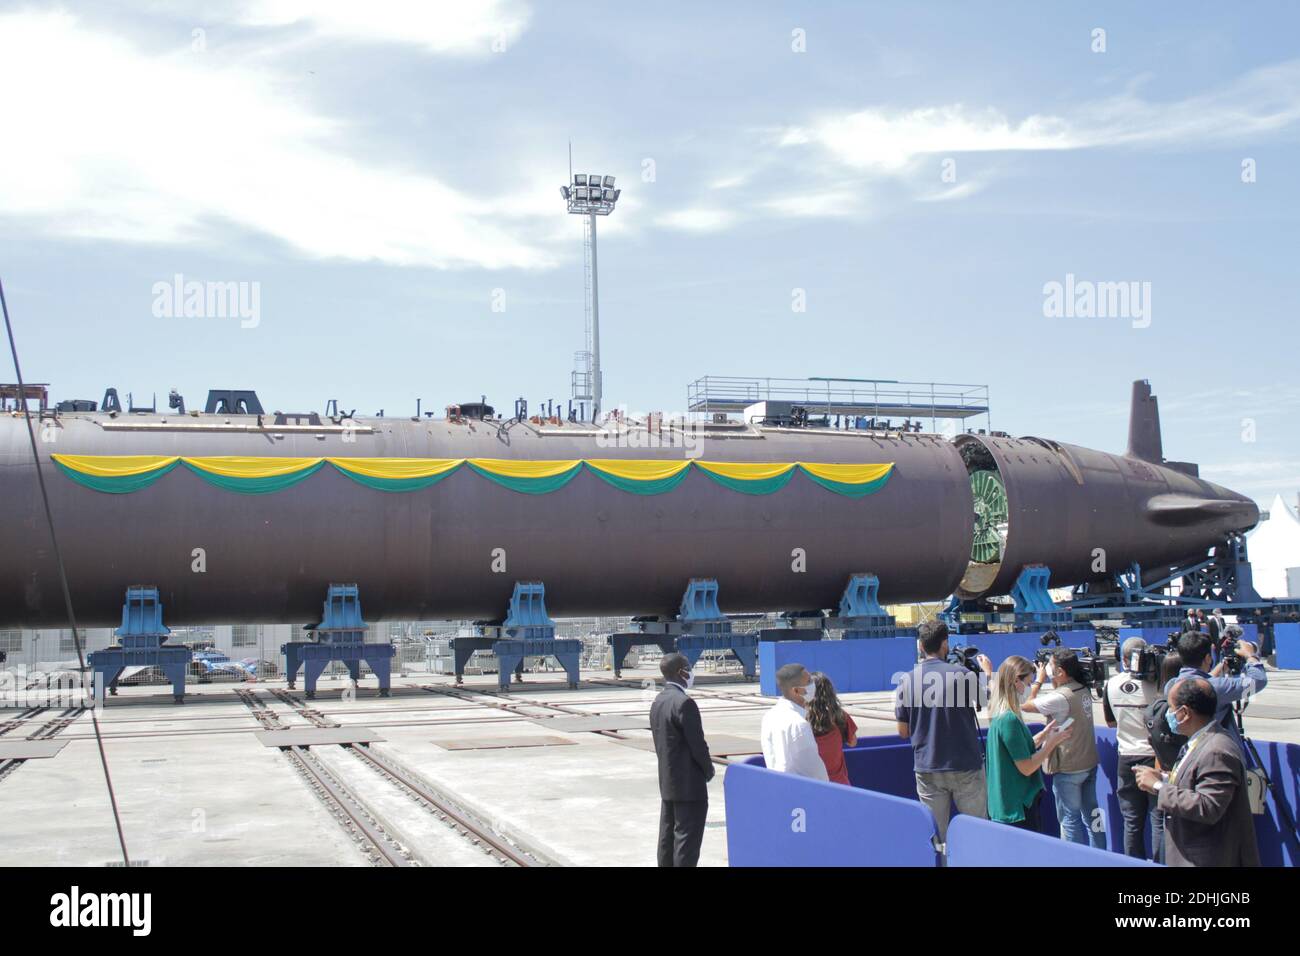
(1233, 662)
(1145, 664)
(1094, 667)
(965, 656)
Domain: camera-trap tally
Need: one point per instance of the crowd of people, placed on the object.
(1181, 768)
(1182, 764)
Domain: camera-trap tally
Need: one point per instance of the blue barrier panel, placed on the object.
(1274, 832)
(1107, 784)
(973, 842)
(865, 664)
(1286, 637)
(778, 819)
(883, 768)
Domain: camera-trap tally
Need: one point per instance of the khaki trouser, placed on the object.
(939, 790)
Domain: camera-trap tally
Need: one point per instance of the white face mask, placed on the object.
(690, 680)
(809, 692)
(1023, 693)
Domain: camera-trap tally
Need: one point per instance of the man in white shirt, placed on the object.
(788, 741)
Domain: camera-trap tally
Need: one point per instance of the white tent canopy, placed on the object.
(1274, 546)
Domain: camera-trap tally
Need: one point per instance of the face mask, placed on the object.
(1171, 720)
(690, 680)
(1023, 694)
(809, 692)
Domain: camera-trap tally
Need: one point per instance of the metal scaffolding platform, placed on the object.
(878, 399)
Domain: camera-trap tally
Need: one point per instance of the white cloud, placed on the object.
(884, 141)
(890, 141)
(729, 182)
(831, 202)
(698, 219)
(961, 191)
(465, 27)
(118, 143)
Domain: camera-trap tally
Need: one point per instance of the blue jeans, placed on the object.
(1076, 808)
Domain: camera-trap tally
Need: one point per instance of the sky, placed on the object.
(384, 177)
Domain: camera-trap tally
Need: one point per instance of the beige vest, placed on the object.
(1079, 752)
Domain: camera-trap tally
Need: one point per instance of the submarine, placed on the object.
(240, 516)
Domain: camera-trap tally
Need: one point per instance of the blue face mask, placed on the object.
(1171, 720)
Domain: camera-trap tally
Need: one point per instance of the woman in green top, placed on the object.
(1015, 756)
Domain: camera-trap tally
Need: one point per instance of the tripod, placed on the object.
(1279, 797)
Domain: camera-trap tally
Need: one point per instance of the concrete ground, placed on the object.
(196, 787)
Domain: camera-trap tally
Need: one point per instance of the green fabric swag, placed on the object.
(656, 487)
(847, 490)
(115, 486)
(765, 486)
(530, 486)
(255, 486)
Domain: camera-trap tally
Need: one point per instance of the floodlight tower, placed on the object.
(590, 195)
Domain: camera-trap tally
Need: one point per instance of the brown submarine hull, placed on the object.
(437, 553)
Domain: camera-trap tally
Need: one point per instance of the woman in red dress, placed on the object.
(833, 728)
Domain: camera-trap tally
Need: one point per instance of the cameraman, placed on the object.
(1196, 652)
(1073, 765)
(935, 710)
(1124, 700)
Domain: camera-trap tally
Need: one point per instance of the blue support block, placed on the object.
(700, 602)
(699, 612)
(526, 617)
(463, 648)
(511, 654)
(142, 642)
(340, 636)
(1034, 605)
(526, 631)
(744, 646)
(620, 644)
(703, 627)
(860, 614)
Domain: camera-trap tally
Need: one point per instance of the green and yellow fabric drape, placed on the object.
(121, 474)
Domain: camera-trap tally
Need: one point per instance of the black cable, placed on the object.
(63, 574)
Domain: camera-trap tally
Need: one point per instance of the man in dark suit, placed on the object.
(1207, 810)
(685, 768)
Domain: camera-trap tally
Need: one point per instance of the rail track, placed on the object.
(381, 846)
(51, 728)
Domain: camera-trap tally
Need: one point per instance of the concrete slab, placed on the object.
(726, 745)
(197, 786)
(30, 749)
(502, 743)
(317, 736)
(578, 725)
